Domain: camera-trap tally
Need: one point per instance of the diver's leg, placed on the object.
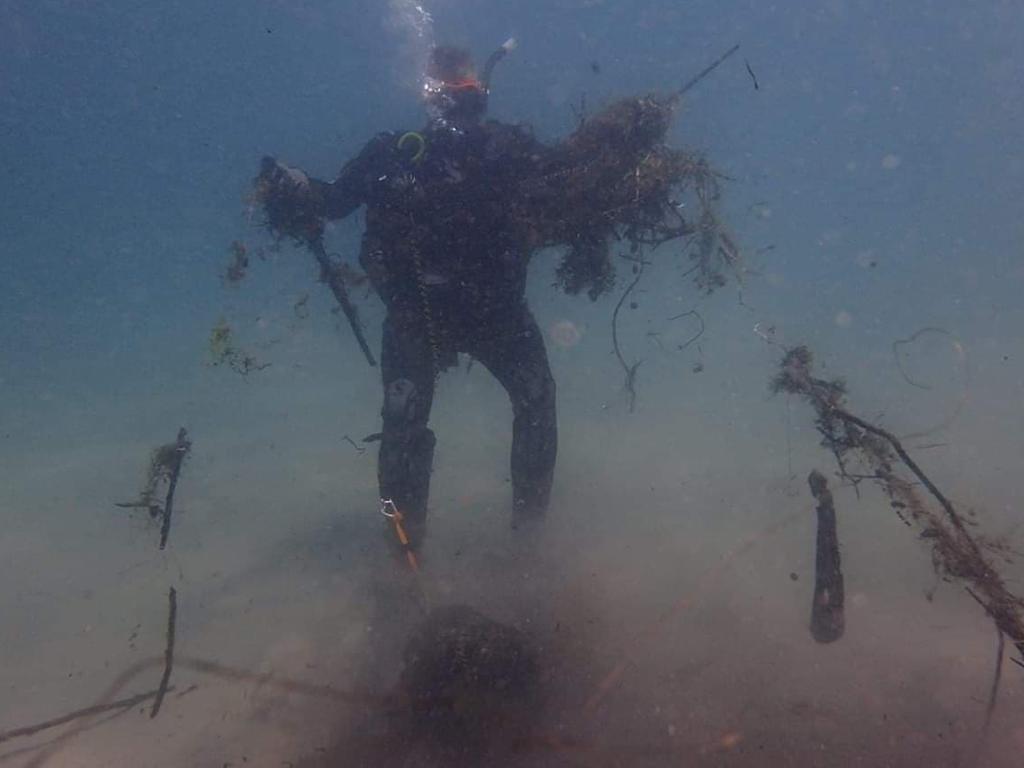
(517, 358)
(407, 445)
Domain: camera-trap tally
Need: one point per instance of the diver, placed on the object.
(446, 246)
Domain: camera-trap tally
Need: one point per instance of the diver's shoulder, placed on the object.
(511, 137)
(384, 140)
(384, 146)
(515, 129)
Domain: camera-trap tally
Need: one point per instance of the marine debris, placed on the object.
(827, 619)
(901, 350)
(222, 349)
(615, 183)
(239, 263)
(957, 554)
(164, 470)
(614, 180)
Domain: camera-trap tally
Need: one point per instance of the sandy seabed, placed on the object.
(669, 592)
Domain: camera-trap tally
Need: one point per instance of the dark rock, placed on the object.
(469, 681)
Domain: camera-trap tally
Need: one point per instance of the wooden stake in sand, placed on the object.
(827, 621)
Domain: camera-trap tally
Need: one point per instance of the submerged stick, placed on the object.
(827, 619)
(172, 618)
(181, 448)
(706, 71)
(331, 275)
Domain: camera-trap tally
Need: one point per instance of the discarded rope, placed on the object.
(961, 353)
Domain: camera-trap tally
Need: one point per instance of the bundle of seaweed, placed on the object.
(164, 470)
(957, 554)
(239, 263)
(222, 349)
(296, 210)
(615, 180)
(289, 208)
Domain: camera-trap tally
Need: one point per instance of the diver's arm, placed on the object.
(342, 196)
(533, 164)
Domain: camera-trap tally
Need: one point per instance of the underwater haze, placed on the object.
(872, 178)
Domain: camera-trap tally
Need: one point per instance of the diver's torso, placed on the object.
(450, 218)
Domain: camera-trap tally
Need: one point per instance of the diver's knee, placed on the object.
(537, 394)
(403, 403)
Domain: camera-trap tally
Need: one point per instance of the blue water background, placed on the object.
(880, 157)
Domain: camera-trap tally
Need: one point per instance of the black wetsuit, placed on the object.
(446, 246)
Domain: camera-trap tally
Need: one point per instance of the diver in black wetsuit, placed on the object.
(446, 246)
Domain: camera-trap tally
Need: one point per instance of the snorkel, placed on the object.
(500, 53)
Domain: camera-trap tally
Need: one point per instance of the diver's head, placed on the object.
(453, 93)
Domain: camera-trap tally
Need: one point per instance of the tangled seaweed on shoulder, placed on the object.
(614, 180)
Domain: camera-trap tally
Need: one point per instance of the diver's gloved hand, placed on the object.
(287, 198)
(281, 176)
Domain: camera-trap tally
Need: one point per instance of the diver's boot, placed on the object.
(530, 502)
(534, 448)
